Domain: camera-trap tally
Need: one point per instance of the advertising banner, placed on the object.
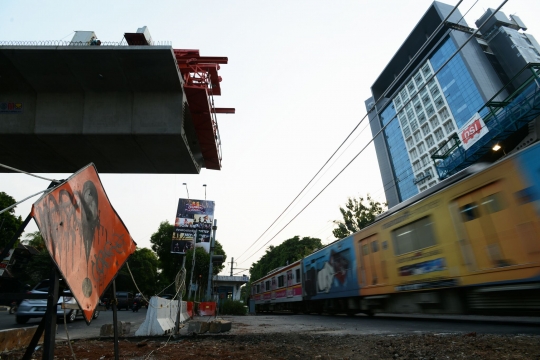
(193, 225)
(472, 131)
(84, 235)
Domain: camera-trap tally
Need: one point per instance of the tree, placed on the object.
(358, 214)
(9, 223)
(170, 264)
(143, 264)
(286, 253)
(202, 265)
(39, 267)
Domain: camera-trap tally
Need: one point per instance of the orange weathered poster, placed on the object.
(84, 235)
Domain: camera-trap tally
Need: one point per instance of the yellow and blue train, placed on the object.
(470, 244)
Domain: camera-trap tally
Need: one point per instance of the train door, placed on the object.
(290, 290)
(486, 227)
(371, 261)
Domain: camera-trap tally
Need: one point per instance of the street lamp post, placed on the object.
(187, 191)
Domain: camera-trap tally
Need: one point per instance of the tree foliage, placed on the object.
(286, 253)
(358, 214)
(143, 264)
(170, 263)
(9, 223)
(39, 267)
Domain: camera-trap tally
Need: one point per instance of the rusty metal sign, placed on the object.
(84, 235)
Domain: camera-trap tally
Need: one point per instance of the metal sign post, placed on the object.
(177, 325)
(210, 270)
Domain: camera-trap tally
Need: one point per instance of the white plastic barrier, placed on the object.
(161, 317)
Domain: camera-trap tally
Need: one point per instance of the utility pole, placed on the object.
(210, 270)
(192, 266)
(232, 263)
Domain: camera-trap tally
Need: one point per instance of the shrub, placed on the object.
(232, 307)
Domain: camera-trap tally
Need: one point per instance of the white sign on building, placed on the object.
(472, 131)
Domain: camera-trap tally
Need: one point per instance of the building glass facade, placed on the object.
(456, 82)
(401, 165)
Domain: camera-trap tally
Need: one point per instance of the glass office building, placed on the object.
(425, 96)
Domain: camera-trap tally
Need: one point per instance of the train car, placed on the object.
(280, 289)
(469, 244)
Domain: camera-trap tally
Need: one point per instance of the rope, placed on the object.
(23, 200)
(27, 173)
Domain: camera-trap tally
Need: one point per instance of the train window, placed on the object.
(258, 288)
(493, 203)
(281, 281)
(297, 275)
(267, 283)
(469, 212)
(385, 245)
(374, 246)
(414, 236)
(365, 249)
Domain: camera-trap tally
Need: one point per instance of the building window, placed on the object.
(439, 102)
(434, 91)
(410, 142)
(414, 125)
(414, 236)
(416, 166)
(430, 110)
(406, 131)
(439, 135)
(425, 160)
(404, 94)
(421, 147)
(402, 119)
(449, 127)
(426, 70)
(425, 129)
(414, 154)
(444, 113)
(417, 137)
(397, 101)
(417, 104)
(434, 122)
(411, 88)
(429, 141)
(418, 79)
(422, 118)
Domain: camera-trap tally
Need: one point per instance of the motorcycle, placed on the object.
(13, 307)
(136, 306)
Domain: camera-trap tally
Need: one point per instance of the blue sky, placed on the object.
(298, 75)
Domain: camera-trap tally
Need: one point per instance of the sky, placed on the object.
(298, 73)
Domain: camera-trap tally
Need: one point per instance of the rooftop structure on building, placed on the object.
(138, 106)
(433, 112)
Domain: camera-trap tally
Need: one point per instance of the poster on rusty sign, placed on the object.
(86, 238)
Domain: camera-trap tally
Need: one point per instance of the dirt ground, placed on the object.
(303, 346)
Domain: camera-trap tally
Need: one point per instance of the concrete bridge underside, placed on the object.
(122, 108)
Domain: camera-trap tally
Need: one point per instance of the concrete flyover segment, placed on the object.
(124, 108)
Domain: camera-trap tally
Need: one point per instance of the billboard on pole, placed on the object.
(193, 225)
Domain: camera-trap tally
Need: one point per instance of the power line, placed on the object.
(356, 127)
(389, 122)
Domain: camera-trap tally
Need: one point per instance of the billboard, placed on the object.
(193, 225)
(84, 235)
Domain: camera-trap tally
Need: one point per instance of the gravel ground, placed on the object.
(248, 340)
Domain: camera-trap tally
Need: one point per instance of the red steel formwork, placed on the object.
(201, 84)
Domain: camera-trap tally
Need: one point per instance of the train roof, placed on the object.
(278, 269)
